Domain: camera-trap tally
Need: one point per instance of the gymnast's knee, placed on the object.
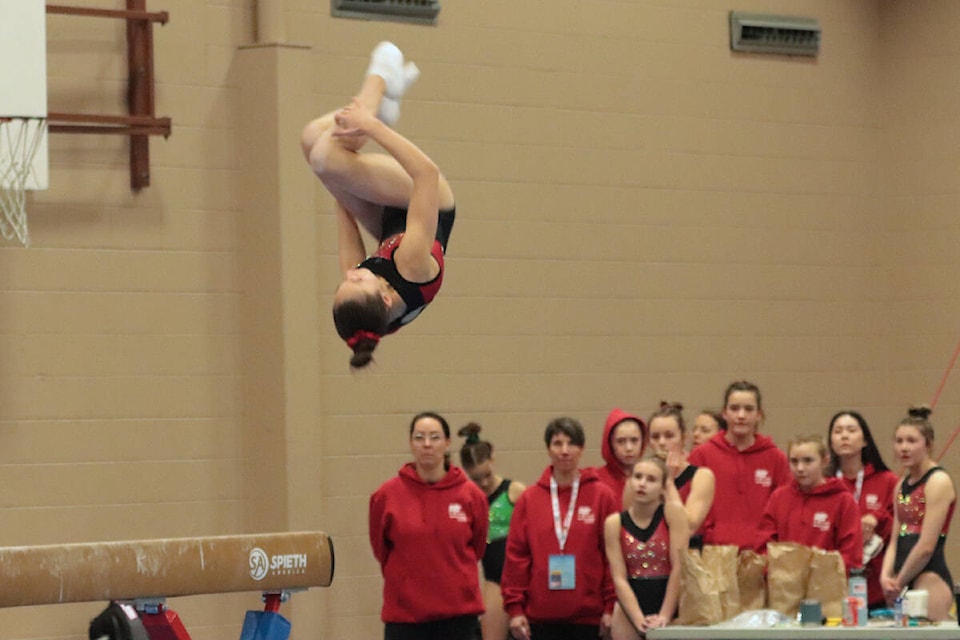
(329, 157)
(312, 133)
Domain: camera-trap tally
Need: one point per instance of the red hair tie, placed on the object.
(355, 339)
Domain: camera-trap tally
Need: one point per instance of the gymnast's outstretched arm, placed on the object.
(413, 256)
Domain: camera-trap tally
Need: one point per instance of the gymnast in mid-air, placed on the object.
(399, 197)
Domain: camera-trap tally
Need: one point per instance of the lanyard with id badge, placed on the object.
(563, 566)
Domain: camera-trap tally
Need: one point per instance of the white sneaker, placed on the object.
(386, 61)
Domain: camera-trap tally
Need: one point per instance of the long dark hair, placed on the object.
(436, 416)
(869, 454)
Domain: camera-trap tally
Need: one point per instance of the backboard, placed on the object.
(23, 80)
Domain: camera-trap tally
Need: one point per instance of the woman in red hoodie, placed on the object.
(856, 461)
(428, 530)
(556, 582)
(623, 444)
(748, 467)
(814, 510)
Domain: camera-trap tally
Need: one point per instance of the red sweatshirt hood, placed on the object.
(832, 485)
(454, 477)
(760, 443)
(588, 474)
(606, 450)
(868, 471)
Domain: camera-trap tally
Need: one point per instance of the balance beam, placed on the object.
(129, 570)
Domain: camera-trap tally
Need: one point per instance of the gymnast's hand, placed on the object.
(891, 587)
(676, 461)
(655, 621)
(354, 120)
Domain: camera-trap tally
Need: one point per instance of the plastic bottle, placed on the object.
(857, 588)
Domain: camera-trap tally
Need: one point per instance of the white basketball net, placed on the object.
(19, 140)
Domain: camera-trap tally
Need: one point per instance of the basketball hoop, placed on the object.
(20, 138)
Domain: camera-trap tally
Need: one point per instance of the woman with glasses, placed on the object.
(428, 530)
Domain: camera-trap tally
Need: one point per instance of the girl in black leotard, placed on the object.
(692, 486)
(924, 504)
(400, 197)
(643, 545)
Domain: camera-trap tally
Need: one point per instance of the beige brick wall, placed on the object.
(643, 215)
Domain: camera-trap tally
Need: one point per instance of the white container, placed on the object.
(915, 603)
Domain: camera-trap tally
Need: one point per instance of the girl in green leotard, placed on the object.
(476, 458)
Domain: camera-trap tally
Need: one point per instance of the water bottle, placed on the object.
(857, 588)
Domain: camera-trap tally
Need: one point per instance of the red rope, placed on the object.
(936, 397)
(946, 374)
(953, 437)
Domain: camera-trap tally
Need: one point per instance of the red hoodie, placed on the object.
(826, 517)
(532, 541)
(612, 473)
(428, 539)
(744, 481)
(876, 498)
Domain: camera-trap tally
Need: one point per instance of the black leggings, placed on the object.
(459, 628)
(563, 631)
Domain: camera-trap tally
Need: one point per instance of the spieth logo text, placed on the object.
(286, 564)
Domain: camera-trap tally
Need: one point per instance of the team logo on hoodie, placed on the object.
(585, 515)
(762, 478)
(821, 521)
(456, 512)
(872, 501)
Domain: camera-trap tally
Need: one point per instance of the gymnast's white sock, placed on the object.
(387, 62)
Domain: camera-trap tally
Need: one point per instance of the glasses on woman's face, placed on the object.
(423, 438)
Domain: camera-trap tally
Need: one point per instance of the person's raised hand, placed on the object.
(353, 120)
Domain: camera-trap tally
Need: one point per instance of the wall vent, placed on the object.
(417, 11)
(759, 33)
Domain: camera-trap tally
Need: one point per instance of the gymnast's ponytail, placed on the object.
(474, 451)
(361, 323)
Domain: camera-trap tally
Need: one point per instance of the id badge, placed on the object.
(563, 572)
